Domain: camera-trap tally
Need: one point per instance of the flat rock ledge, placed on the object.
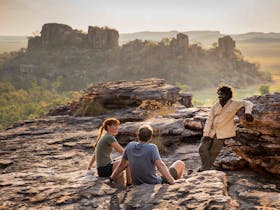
(116, 95)
(47, 189)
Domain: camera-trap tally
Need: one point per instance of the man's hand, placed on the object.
(249, 117)
(179, 181)
(206, 138)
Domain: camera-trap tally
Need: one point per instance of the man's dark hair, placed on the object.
(145, 132)
(226, 90)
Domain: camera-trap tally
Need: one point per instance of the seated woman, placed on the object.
(143, 159)
(103, 149)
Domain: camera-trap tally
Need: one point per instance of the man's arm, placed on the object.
(164, 171)
(209, 122)
(122, 165)
(248, 105)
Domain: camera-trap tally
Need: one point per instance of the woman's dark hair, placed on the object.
(106, 122)
(145, 132)
(225, 89)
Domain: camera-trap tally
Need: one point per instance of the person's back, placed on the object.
(141, 158)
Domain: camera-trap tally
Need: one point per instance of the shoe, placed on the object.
(200, 169)
(189, 172)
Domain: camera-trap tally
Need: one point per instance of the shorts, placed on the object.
(173, 173)
(105, 171)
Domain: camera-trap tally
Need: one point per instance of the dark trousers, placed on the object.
(209, 150)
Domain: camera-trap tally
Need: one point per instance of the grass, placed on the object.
(265, 54)
(208, 97)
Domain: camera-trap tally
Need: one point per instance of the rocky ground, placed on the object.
(43, 162)
(43, 167)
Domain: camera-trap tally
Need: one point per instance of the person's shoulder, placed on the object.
(215, 104)
(235, 101)
(109, 137)
(131, 144)
(152, 146)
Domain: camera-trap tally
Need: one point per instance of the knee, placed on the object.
(179, 164)
(201, 149)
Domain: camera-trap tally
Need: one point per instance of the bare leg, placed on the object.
(121, 179)
(179, 166)
(128, 175)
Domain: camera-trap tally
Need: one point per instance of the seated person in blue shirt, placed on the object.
(143, 158)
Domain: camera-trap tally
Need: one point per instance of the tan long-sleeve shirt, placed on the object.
(220, 121)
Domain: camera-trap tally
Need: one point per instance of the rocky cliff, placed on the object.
(43, 161)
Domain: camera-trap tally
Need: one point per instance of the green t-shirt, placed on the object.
(103, 150)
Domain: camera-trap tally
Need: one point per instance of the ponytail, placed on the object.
(99, 136)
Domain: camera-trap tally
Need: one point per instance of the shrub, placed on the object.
(264, 89)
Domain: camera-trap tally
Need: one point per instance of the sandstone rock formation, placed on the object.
(54, 35)
(259, 142)
(113, 95)
(95, 56)
(103, 38)
(43, 161)
(226, 45)
(34, 43)
(180, 45)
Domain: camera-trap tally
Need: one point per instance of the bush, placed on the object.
(264, 89)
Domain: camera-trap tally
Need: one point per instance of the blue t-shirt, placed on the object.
(141, 158)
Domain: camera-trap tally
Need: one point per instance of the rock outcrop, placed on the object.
(226, 45)
(34, 43)
(259, 142)
(114, 95)
(103, 38)
(180, 45)
(54, 35)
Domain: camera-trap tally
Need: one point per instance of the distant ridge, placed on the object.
(206, 37)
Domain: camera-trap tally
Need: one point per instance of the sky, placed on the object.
(26, 17)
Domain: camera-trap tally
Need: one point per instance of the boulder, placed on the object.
(259, 141)
(186, 98)
(205, 190)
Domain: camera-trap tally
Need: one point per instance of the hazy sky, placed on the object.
(22, 17)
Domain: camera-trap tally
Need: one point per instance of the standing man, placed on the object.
(219, 125)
